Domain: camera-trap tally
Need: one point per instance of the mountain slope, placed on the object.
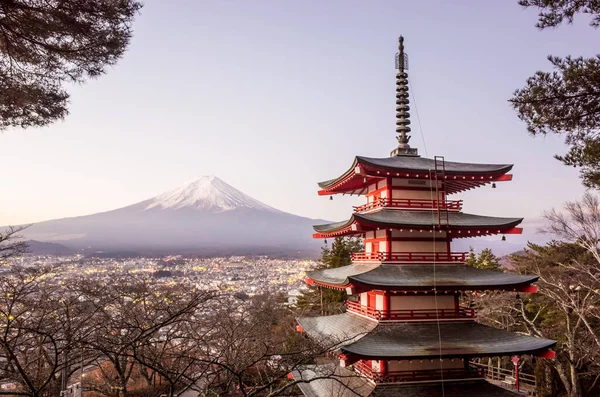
(204, 216)
(42, 248)
(207, 193)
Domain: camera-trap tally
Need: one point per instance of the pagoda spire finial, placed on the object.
(402, 108)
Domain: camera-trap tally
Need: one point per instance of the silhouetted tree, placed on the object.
(41, 323)
(135, 320)
(567, 100)
(567, 307)
(11, 242)
(44, 44)
(254, 345)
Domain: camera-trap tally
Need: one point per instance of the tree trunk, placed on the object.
(575, 382)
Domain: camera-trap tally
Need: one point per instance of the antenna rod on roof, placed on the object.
(402, 108)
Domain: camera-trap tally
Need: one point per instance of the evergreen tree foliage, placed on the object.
(554, 12)
(339, 253)
(45, 44)
(566, 101)
(319, 300)
(485, 260)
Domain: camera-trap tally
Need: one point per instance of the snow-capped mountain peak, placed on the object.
(207, 193)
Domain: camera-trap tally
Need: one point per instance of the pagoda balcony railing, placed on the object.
(410, 256)
(526, 381)
(417, 375)
(410, 314)
(413, 204)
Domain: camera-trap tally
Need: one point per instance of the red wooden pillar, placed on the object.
(386, 306)
(383, 369)
(456, 305)
(388, 244)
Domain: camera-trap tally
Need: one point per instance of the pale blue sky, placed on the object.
(273, 96)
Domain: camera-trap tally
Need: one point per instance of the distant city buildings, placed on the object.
(240, 276)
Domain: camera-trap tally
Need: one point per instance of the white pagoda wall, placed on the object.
(375, 365)
(364, 300)
(421, 302)
(419, 246)
(379, 302)
(414, 194)
(410, 302)
(422, 183)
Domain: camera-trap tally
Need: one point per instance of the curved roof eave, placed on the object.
(418, 277)
(416, 219)
(419, 164)
(409, 163)
(461, 339)
(329, 227)
(325, 184)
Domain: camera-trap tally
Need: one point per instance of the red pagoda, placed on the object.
(404, 332)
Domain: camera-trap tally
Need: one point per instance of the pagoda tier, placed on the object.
(327, 381)
(422, 277)
(458, 177)
(359, 338)
(456, 224)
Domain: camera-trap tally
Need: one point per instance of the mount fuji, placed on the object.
(205, 216)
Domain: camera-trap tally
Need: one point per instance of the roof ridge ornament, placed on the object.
(402, 108)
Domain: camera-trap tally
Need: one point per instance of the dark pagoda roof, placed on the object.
(396, 219)
(327, 380)
(459, 176)
(338, 329)
(399, 341)
(460, 339)
(420, 277)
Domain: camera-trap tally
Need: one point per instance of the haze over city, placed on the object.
(273, 97)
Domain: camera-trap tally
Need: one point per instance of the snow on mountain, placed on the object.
(207, 193)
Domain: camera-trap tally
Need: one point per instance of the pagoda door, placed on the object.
(375, 247)
(372, 300)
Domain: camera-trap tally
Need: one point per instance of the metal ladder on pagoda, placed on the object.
(441, 205)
